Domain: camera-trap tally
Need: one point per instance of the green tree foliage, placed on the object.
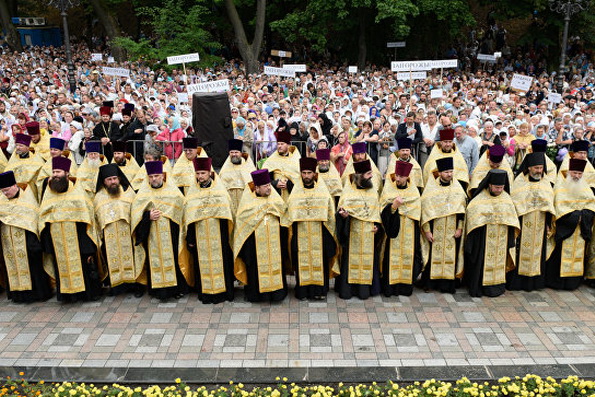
(177, 30)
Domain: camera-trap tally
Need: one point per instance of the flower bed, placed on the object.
(528, 386)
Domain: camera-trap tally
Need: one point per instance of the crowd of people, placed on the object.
(361, 179)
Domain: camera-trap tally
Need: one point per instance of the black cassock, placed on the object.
(565, 227)
(252, 289)
(41, 289)
(87, 248)
(474, 263)
(516, 282)
(106, 130)
(142, 231)
(392, 224)
(329, 249)
(345, 289)
(227, 255)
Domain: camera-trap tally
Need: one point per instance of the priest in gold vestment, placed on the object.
(579, 151)
(360, 154)
(359, 232)
(328, 173)
(207, 229)
(57, 146)
(443, 205)
(86, 174)
(21, 250)
(491, 227)
(575, 207)
(284, 165)
(311, 217)
(446, 148)
(25, 163)
(401, 213)
(141, 176)
(533, 198)
(112, 202)
(491, 159)
(235, 172)
(68, 234)
(183, 170)
(157, 212)
(125, 160)
(257, 241)
(403, 153)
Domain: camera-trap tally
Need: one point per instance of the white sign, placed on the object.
(412, 75)
(186, 58)
(554, 97)
(486, 57)
(272, 71)
(351, 69)
(282, 54)
(182, 97)
(437, 93)
(122, 72)
(423, 65)
(110, 60)
(96, 56)
(395, 44)
(209, 86)
(298, 67)
(498, 54)
(521, 82)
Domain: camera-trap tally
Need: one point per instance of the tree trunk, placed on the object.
(13, 39)
(362, 47)
(248, 51)
(110, 24)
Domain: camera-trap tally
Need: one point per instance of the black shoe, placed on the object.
(138, 294)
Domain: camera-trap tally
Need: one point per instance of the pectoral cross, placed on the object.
(308, 206)
(535, 201)
(112, 213)
(206, 203)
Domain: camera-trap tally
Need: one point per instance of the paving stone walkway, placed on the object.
(424, 330)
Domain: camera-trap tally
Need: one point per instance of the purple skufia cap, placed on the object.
(359, 147)
(7, 179)
(496, 153)
(61, 163)
(57, 143)
(323, 154)
(154, 167)
(261, 177)
(93, 147)
(23, 139)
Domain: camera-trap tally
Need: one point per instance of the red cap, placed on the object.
(403, 168)
(105, 110)
(447, 134)
(32, 128)
(202, 163)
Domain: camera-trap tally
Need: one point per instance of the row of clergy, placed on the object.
(171, 243)
(30, 166)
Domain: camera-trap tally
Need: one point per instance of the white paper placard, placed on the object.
(298, 67)
(437, 93)
(186, 58)
(96, 56)
(486, 57)
(413, 76)
(272, 71)
(498, 55)
(209, 86)
(404, 66)
(182, 97)
(395, 44)
(521, 82)
(111, 60)
(121, 72)
(351, 69)
(554, 97)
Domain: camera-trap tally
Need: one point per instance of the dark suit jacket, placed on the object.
(402, 132)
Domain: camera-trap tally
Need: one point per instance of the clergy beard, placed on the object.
(59, 184)
(365, 183)
(156, 185)
(236, 160)
(113, 190)
(24, 155)
(94, 163)
(323, 168)
(537, 176)
(575, 187)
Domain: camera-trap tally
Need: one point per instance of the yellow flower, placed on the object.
(178, 380)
